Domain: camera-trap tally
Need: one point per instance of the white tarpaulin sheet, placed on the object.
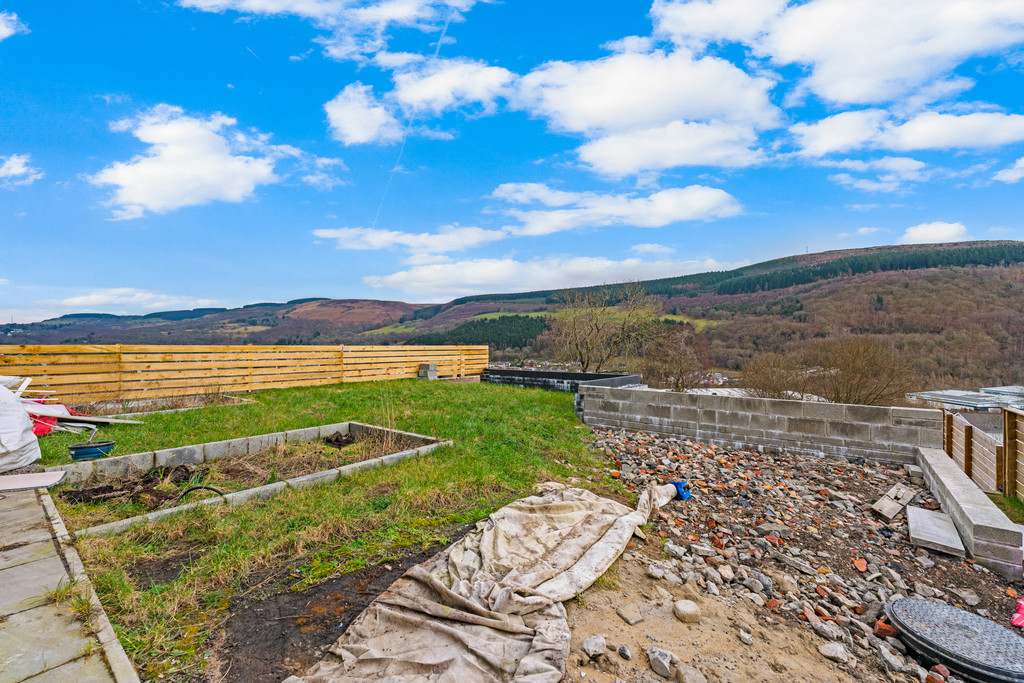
(489, 608)
(18, 445)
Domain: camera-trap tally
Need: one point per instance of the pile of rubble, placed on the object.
(798, 538)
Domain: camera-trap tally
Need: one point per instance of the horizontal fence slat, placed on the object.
(81, 373)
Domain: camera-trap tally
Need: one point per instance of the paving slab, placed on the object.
(902, 494)
(91, 668)
(934, 530)
(887, 508)
(25, 586)
(38, 640)
(22, 553)
(22, 518)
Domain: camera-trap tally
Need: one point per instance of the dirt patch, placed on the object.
(273, 637)
(782, 652)
(163, 570)
(339, 440)
(141, 488)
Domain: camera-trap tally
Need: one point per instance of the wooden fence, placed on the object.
(975, 442)
(989, 448)
(82, 374)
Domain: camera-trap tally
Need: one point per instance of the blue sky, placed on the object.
(174, 154)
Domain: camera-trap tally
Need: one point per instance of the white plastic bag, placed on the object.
(18, 445)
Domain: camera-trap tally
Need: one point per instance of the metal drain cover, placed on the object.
(972, 647)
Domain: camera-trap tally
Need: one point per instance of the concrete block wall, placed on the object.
(801, 427)
(559, 381)
(988, 535)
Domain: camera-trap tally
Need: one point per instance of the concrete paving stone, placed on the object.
(25, 586)
(887, 508)
(183, 455)
(91, 668)
(23, 518)
(315, 479)
(38, 640)
(18, 554)
(124, 464)
(934, 530)
(302, 435)
(77, 471)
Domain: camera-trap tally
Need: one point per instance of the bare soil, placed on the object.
(271, 637)
(88, 504)
(782, 651)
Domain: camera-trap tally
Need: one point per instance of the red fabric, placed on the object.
(43, 425)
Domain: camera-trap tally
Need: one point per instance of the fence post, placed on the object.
(947, 432)
(120, 371)
(1010, 453)
(968, 449)
(341, 363)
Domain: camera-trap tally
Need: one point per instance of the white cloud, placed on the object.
(353, 29)
(839, 133)
(448, 238)
(444, 281)
(193, 161)
(932, 130)
(589, 209)
(873, 128)
(10, 25)
(356, 117)
(448, 83)
(938, 231)
(1013, 173)
(892, 173)
(867, 231)
(16, 170)
(679, 143)
(857, 51)
(699, 22)
(629, 91)
(4, 281)
(131, 299)
(651, 248)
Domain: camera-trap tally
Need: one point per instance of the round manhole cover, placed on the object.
(972, 647)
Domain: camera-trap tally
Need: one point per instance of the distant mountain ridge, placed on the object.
(959, 307)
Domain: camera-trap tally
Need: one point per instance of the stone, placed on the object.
(703, 550)
(630, 613)
(837, 652)
(726, 572)
(967, 595)
(746, 638)
(934, 530)
(655, 571)
(829, 630)
(686, 611)
(595, 646)
(661, 661)
(625, 653)
(941, 670)
(690, 591)
(687, 674)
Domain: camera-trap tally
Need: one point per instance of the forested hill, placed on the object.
(958, 308)
(792, 270)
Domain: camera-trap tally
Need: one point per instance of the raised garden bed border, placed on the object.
(193, 455)
(211, 451)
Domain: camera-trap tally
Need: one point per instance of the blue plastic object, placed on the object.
(682, 489)
(90, 450)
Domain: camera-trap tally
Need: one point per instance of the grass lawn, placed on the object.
(506, 439)
(1011, 507)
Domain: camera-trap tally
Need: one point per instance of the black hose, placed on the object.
(196, 488)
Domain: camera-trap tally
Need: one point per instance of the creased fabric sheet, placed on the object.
(489, 608)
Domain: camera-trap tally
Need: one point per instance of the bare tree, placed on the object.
(593, 326)
(774, 375)
(672, 359)
(850, 369)
(859, 369)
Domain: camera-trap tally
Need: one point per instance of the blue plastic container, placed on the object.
(90, 450)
